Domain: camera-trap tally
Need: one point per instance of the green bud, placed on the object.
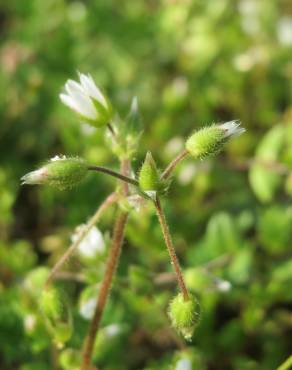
(184, 315)
(149, 177)
(56, 312)
(210, 140)
(61, 172)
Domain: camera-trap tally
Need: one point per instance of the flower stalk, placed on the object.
(112, 198)
(114, 174)
(172, 165)
(171, 250)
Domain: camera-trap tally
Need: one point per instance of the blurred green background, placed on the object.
(190, 63)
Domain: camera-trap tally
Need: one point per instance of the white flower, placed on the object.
(183, 364)
(92, 244)
(284, 30)
(223, 285)
(86, 99)
(232, 128)
(112, 330)
(87, 308)
(30, 322)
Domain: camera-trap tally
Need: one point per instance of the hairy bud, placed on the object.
(210, 140)
(149, 177)
(61, 172)
(184, 315)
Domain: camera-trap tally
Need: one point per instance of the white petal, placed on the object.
(92, 244)
(232, 128)
(91, 89)
(112, 330)
(35, 177)
(87, 308)
(183, 364)
(73, 86)
(70, 102)
(80, 101)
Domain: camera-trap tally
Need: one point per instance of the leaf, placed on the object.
(274, 229)
(263, 181)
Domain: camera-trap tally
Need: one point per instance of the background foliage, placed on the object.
(190, 63)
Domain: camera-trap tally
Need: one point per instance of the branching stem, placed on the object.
(112, 198)
(171, 250)
(111, 266)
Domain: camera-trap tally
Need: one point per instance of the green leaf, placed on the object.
(263, 181)
(274, 228)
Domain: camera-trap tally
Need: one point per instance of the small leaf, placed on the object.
(263, 181)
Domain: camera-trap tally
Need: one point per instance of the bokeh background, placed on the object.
(190, 63)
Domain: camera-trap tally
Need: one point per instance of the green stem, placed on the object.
(169, 169)
(171, 250)
(112, 198)
(118, 175)
(111, 266)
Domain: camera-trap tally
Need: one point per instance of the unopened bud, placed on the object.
(210, 140)
(61, 172)
(149, 177)
(184, 315)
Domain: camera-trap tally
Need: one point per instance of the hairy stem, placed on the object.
(111, 129)
(169, 169)
(171, 250)
(114, 174)
(111, 266)
(112, 198)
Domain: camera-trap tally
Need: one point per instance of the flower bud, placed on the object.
(86, 99)
(61, 172)
(56, 312)
(127, 133)
(184, 315)
(210, 140)
(149, 177)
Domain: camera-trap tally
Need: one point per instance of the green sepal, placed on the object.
(184, 315)
(62, 172)
(206, 142)
(150, 181)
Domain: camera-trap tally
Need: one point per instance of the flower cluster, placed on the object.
(93, 107)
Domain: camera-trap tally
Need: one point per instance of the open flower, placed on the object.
(86, 99)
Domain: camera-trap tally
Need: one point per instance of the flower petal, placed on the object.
(81, 102)
(91, 89)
